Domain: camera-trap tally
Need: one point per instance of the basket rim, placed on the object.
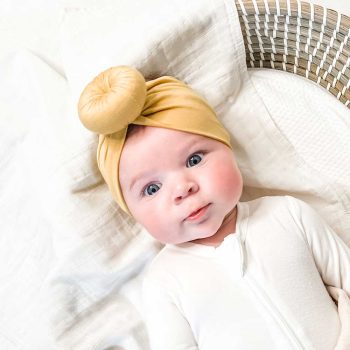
(298, 37)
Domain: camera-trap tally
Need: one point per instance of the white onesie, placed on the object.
(262, 288)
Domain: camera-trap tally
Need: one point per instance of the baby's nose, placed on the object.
(184, 189)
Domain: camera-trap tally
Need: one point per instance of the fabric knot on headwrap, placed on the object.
(120, 96)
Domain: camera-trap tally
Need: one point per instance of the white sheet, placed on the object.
(29, 101)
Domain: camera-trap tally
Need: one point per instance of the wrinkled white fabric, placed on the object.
(262, 288)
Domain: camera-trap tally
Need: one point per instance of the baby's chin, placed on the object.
(197, 237)
(186, 234)
(180, 240)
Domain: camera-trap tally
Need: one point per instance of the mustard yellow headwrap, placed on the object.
(120, 96)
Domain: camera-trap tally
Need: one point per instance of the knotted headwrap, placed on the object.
(120, 96)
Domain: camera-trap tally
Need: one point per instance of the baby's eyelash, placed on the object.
(142, 192)
(197, 152)
(144, 188)
(202, 152)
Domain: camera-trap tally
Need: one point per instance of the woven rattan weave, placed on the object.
(301, 38)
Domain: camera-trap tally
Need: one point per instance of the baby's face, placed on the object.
(179, 186)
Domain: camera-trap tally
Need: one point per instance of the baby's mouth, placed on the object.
(197, 214)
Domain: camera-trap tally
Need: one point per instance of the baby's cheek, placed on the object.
(154, 226)
(155, 221)
(228, 179)
(222, 175)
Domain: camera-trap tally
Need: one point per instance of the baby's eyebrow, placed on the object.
(139, 177)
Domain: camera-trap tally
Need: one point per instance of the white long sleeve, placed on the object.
(330, 253)
(167, 327)
(332, 257)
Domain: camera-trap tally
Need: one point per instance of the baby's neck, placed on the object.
(227, 227)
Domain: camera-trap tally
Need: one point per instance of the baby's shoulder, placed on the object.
(273, 221)
(169, 269)
(276, 214)
(164, 262)
(275, 205)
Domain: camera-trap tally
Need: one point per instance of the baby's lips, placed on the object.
(197, 212)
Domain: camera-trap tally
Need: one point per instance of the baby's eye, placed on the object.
(151, 189)
(194, 159)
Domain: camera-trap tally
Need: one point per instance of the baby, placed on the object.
(232, 275)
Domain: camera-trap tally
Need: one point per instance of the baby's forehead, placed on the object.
(154, 137)
(157, 145)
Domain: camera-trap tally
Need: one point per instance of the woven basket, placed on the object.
(301, 38)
